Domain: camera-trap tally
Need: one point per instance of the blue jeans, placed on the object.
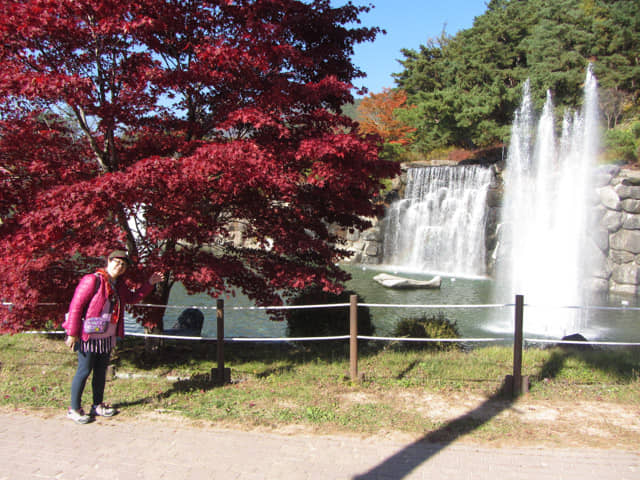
(87, 362)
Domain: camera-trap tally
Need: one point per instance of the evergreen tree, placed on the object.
(466, 87)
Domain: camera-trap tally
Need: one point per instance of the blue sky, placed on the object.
(409, 24)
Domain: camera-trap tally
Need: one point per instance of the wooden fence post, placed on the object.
(222, 374)
(519, 384)
(353, 337)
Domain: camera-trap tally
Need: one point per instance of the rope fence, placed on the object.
(346, 337)
(382, 338)
(361, 337)
(518, 383)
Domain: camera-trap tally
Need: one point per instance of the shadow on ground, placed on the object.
(415, 454)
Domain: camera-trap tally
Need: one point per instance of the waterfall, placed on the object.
(545, 223)
(439, 226)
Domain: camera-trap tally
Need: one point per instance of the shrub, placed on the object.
(322, 322)
(433, 326)
(622, 145)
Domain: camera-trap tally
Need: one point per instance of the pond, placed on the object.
(618, 322)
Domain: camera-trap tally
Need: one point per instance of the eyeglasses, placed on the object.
(120, 262)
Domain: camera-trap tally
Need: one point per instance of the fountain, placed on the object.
(544, 234)
(542, 253)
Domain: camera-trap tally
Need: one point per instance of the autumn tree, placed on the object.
(378, 114)
(155, 125)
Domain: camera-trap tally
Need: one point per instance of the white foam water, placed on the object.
(439, 226)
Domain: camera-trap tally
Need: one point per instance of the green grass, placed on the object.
(275, 385)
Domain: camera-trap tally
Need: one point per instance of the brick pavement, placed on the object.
(34, 447)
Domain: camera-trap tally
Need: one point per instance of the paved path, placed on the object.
(33, 447)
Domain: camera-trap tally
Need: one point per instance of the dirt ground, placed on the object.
(497, 423)
(529, 422)
(471, 419)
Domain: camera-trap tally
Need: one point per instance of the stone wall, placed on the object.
(366, 246)
(617, 235)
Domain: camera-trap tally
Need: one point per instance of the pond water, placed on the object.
(620, 324)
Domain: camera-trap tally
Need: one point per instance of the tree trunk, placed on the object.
(160, 296)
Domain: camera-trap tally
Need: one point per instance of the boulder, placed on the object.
(190, 319)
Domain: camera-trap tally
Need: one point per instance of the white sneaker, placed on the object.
(102, 410)
(78, 416)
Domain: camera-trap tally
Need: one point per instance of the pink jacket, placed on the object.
(84, 298)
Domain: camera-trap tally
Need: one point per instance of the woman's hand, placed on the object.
(157, 277)
(70, 342)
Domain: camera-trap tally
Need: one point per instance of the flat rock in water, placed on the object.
(392, 281)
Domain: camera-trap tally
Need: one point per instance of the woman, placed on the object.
(94, 321)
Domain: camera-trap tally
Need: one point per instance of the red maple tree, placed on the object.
(378, 115)
(156, 125)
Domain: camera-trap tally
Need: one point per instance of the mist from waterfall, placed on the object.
(439, 226)
(542, 253)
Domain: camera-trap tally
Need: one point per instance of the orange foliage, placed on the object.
(377, 114)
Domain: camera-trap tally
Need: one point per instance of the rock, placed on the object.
(396, 183)
(630, 205)
(631, 221)
(600, 239)
(371, 249)
(631, 177)
(611, 170)
(372, 235)
(494, 198)
(602, 179)
(190, 319)
(627, 273)
(392, 281)
(612, 220)
(620, 257)
(575, 337)
(609, 198)
(627, 191)
(628, 240)
(623, 289)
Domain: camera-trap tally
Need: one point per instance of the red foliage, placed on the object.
(155, 124)
(379, 116)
